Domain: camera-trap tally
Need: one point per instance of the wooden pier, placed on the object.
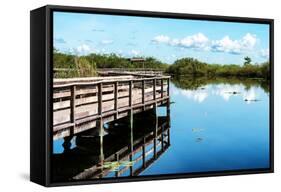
(81, 104)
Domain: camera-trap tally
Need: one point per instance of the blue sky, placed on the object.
(164, 39)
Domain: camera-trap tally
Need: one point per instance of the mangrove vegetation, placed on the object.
(194, 67)
(70, 65)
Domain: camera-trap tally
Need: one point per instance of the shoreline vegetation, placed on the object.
(195, 83)
(87, 65)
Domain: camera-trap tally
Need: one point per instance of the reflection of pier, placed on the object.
(124, 148)
(85, 103)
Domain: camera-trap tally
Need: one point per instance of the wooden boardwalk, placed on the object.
(84, 103)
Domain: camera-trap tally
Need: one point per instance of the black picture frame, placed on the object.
(41, 41)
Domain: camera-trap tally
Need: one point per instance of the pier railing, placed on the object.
(134, 71)
(61, 72)
(82, 105)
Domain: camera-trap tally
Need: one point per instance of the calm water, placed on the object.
(215, 125)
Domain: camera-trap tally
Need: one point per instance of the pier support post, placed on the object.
(72, 109)
(143, 153)
(67, 144)
(168, 110)
(168, 119)
(117, 160)
(131, 139)
(155, 131)
(168, 132)
(131, 124)
(101, 134)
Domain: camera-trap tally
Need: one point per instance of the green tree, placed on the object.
(247, 61)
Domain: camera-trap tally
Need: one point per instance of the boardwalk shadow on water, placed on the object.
(120, 151)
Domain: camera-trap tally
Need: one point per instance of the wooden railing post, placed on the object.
(72, 107)
(100, 99)
(168, 87)
(155, 132)
(130, 93)
(116, 98)
(131, 145)
(162, 88)
(143, 93)
(154, 89)
(99, 125)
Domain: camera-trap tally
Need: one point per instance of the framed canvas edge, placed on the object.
(49, 44)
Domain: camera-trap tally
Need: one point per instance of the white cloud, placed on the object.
(161, 39)
(81, 49)
(226, 44)
(198, 41)
(249, 41)
(106, 42)
(59, 40)
(264, 53)
(174, 42)
(135, 52)
(201, 42)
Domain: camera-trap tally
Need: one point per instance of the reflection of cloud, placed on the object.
(225, 91)
(197, 95)
(174, 91)
(250, 96)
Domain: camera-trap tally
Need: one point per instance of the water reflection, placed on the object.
(123, 151)
(199, 89)
(217, 125)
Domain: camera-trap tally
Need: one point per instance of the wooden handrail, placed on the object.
(108, 81)
(112, 69)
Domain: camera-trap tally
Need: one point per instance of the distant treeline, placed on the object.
(194, 67)
(85, 66)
